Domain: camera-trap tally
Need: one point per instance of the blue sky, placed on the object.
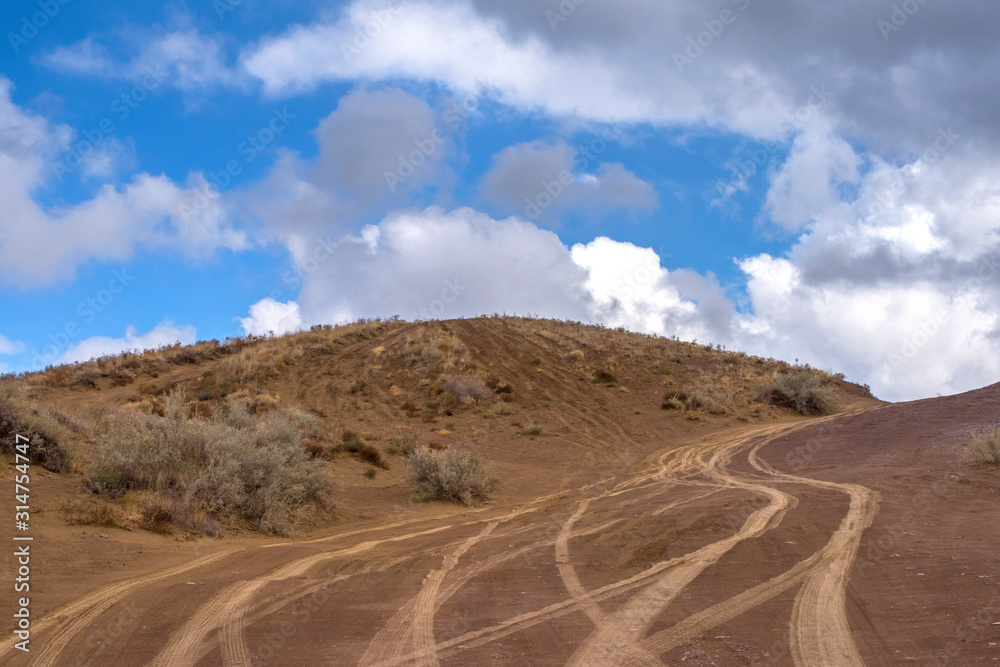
(795, 179)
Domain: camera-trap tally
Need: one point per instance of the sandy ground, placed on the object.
(859, 539)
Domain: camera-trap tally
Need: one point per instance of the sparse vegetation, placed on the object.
(467, 387)
(502, 409)
(235, 465)
(403, 442)
(803, 392)
(353, 443)
(713, 402)
(604, 377)
(450, 476)
(983, 447)
(535, 428)
(48, 430)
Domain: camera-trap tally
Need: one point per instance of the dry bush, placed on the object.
(535, 428)
(604, 377)
(674, 400)
(803, 392)
(502, 409)
(48, 430)
(466, 386)
(713, 402)
(450, 476)
(403, 442)
(234, 465)
(353, 443)
(984, 446)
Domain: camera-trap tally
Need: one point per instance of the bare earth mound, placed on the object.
(653, 507)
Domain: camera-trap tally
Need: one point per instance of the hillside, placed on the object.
(658, 503)
(546, 403)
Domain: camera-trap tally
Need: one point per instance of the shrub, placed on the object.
(703, 399)
(48, 430)
(450, 476)
(403, 442)
(604, 377)
(352, 442)
(231, 465)
(502, 409)
(535, 429)
(984, 447)
(673, 400)
(802, 392)
(467, 386)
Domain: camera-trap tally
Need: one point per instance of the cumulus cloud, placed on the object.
(165, 333)
(109, 226)
(271, 317)
(899, 286)
(444, 264)
(537, 179)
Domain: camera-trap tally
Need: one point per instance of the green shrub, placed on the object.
(450, 476)
(803, 392)
(984, 446)
(403, 442)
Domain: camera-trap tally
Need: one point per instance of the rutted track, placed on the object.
(465, 557)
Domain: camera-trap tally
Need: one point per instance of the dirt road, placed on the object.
(722, 551)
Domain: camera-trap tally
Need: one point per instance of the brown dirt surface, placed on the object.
(623, 534)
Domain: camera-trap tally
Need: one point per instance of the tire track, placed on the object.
(227, 609)
(74, 618)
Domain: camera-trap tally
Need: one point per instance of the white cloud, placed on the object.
(183, 58)
(109, 226)
(269, 316)
(809, 182)
(453, 44)
(165, 333)
(8, 346)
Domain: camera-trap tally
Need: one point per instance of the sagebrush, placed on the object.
(450, 476)
(233, 465)
(803, 392)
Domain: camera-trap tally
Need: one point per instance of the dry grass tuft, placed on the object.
(983, 447)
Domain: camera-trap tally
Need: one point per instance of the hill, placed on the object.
(547, 404)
